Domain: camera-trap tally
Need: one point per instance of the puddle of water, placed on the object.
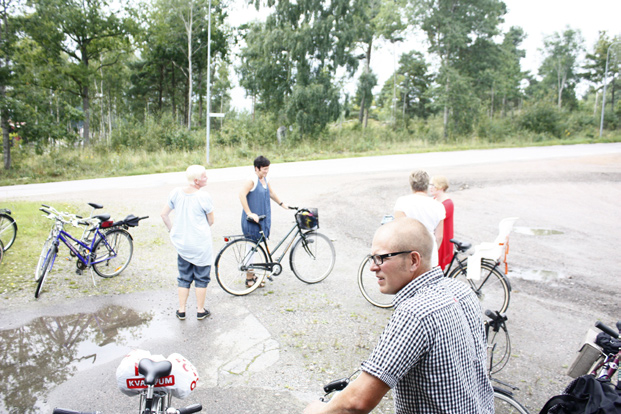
(49, 350)
(538, 275)
(536, 232)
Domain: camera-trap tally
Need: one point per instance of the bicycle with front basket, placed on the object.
(108, 251)
(242, 265)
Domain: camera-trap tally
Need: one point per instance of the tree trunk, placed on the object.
(6, 138)
(200, 98)
(87, 117)
(361, 114)
(363, 104)
(612, 93)
(172, 93)
(160, 89)
(4, 122)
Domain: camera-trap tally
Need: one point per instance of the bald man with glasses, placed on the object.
(433, 351)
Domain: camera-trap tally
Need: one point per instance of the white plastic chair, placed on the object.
(492, 250)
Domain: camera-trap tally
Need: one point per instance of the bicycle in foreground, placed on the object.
(105, 247)
(504, 403)
(242, 265)
(156, 381)
(8, 229)
(594, 388)
(490, 284)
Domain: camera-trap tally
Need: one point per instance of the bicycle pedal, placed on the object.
(78, 272)
(270, 279)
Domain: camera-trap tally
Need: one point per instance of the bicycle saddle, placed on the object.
(152, 370)
(102, 217)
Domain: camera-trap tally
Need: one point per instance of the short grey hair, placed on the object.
(419, 180)
(194, 172)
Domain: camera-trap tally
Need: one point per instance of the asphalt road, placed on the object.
(271, 351)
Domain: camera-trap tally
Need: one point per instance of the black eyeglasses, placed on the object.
(378, 259)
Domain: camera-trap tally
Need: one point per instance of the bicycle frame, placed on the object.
(63, 236)
(263, 240)
(609, 365)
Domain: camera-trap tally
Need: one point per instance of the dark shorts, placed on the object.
(189, 273)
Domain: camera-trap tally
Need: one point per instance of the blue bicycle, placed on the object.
(107, 249)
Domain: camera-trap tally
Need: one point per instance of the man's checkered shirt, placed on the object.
(433, 350)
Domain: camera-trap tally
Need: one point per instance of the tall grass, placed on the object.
(239, 143)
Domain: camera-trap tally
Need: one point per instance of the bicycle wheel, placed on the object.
(235, 261)
(115, 249)
(1, 251)
(504, 403)
(8, 230)
(367, 282)
(492, 288)
(498, 349)
(46, 269)
(312, 257)
(45, 251)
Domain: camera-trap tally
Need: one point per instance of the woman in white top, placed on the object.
(191, 236)
(423, 208)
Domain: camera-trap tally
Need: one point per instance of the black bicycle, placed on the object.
(242, 265)
(491, 287)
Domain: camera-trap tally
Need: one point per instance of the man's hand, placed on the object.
(314, 407)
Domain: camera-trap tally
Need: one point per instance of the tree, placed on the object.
(6, 43)
(413, 90)
(453, 26)
(374, 19)
(74, 35)
(295, 53)
(595, 63)
(559, 67)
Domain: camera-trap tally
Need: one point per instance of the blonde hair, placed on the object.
(440, 181)
(194, 172)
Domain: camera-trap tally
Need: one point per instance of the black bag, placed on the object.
(586, 395)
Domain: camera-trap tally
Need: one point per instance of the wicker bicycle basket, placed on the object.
(307, 218)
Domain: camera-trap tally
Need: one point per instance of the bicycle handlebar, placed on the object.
(607, 329)
(65, 218)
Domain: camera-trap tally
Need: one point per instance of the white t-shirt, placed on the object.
(191, 233)
(428, 211)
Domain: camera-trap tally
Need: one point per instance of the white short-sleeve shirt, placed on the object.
(191, 233)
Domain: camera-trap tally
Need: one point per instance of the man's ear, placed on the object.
(415, 260)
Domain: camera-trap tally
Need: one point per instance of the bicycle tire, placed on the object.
(47, 248)
(312, 257)
(367, 282)
(504, 403)
(122, 247)
(1, 251)
(492, 288)
(8, 230)
(47, 268)
(232, 265)
(499, 349)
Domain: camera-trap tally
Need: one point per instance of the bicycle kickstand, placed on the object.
(93, 277)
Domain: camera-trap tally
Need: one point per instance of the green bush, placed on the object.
(542, 118)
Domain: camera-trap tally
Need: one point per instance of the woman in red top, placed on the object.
(437, 188)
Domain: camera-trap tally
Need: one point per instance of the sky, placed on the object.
(538, 18)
